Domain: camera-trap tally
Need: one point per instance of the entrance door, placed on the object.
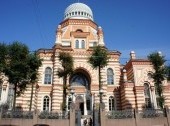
(82, 108)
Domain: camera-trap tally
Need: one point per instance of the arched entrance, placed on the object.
(80, 104)
(81, 82)
(81, 78)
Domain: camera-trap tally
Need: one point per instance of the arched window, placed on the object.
(46, 103)
(110, 76)
(48, 76)
(79, 79)
(94, 44)
(77, 44)
(111, 103)
(69, 102)
(149, 75)
(83, 44)
(147, 96)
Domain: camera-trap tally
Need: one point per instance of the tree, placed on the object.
(159, 75)
(99, 59)
(19, 67)
(168, 73)
(67, 63)
(3, 57)
(34, 63)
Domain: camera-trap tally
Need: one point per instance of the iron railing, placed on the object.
(53, 115)
(151, 113)
(120, 114)
(17, 114)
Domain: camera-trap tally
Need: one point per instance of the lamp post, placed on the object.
(101, 94)
(72, 93)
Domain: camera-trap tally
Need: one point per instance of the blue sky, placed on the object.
(139, 25)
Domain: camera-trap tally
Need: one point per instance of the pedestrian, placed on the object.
(90, 121)
(85, 122)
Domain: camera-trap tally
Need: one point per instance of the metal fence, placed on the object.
(53, 115)
(152, 113)
(120, 114)
(29, 114)
(17, 114)
(130, 113)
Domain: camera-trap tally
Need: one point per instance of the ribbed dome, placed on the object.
(78, 11)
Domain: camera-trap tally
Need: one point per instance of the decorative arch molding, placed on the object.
(144, 77)
(81, 77)
(87, 68)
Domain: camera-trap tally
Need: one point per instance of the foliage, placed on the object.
(34, 63)
(67, 63)
(159, 75)
(3, 56)
(99, 59)
(19, 66)
(168, 73)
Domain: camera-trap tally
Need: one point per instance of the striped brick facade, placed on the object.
(127, 88)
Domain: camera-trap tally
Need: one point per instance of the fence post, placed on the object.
(136, 116)
(167, 115)
(35, 117)
(72, 115)
(0, 114)
(102, 114)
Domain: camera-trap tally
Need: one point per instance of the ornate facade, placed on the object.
(124, 86)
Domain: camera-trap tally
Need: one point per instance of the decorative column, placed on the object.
(85, 105)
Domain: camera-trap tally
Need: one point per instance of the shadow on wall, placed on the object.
(123, 103)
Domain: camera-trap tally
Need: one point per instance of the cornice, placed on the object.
(78, 22)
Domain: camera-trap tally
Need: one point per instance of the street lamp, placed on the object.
(101, 94)
(72, 93)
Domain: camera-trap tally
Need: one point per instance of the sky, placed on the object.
(139, 25)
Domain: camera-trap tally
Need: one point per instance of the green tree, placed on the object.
(34, 62)
(3, 57)
(18, 67)
(67, 63)
(168, 73)
(99, 59)
(159, 75)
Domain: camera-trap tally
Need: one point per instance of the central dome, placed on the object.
(78, 11)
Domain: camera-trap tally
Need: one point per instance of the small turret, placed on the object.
(132, 55)
(124, 75)
(100, 36)
(58, 35)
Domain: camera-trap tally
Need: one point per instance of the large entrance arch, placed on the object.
(81, 82)
(81, 78)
